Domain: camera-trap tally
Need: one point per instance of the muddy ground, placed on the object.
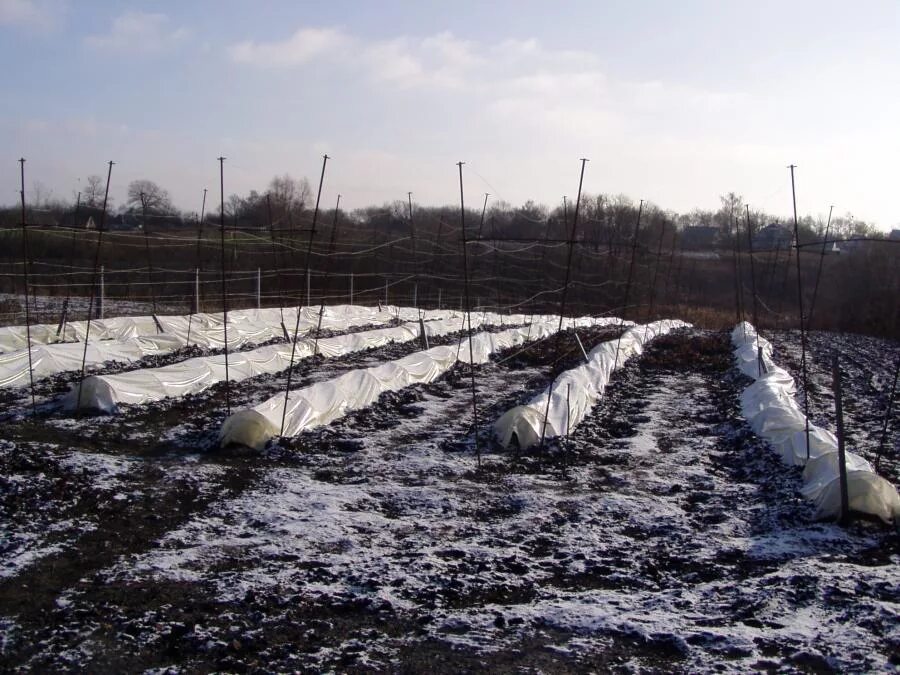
(662, 535)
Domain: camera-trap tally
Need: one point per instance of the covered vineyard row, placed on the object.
(385, 487)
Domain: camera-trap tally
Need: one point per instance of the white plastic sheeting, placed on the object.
(576, 391)
(206, 329)
(327, 401)
(108, 392)
(769, 406)
(48, 360)
(138, 336)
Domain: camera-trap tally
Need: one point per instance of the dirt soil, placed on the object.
(661, 536)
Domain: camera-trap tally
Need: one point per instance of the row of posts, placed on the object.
(196, 300)
(196, 304)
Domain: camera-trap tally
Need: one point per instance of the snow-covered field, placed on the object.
(662, 535)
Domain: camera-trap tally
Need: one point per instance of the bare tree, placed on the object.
(92, 195)
(41, 195)
(731, 208)
(151, 195)
(289, 196)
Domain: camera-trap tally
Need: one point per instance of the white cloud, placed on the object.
(453, 52)
(32, 14)
(139, 32)
(302, 47)
(394, 62)
(439, 61)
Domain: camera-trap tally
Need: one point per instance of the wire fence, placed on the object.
(424, 267)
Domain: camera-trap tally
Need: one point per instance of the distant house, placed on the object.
(894, 235)
(773, 236)
(699, 237)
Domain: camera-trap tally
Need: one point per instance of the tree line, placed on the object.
(288, 202)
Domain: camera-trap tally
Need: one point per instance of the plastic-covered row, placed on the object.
(207, 330)
(327, 401)
(772, 412)
(139, 336)
(107, 392)
(576, 391)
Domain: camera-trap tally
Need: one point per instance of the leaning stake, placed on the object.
(562, 304)
(312, 234)
(25, 260)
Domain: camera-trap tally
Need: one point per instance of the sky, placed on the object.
(676, 103)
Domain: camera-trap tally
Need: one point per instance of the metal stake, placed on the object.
(224, 288)
(637, 227)
(25, 261)
(462, 221)
(87, 331)
(812, 304)
(759, 360)
(842, 456)
(562, 304)
(887, 418)
(312, 232)
(326, 285)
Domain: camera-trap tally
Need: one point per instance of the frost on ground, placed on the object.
(661, 535)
